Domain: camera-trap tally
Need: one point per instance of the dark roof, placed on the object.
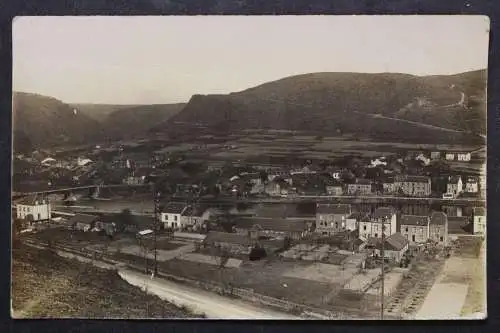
(358, 216)
(453, 179)
(438, 218)
(334, 209)
(414, 220)
(107, 218)
(458, 224)
(83, 218)
(227, 237)
(413, 179)
(174, 208)
(479, 211)
(274, 224)
(395, 242)
(472, 179)
(382, 212)
(29, 200)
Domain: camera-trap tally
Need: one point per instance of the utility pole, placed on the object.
(382, 253)
(156, 224)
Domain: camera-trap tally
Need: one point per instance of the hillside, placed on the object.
(386, 105)
(137, 120)
(99, 112)
(44, 121)
(45, 285)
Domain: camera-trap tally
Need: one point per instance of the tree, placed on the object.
(124, 219)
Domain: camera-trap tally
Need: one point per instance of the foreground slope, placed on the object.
(45, 285)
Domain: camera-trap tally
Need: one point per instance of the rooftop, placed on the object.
(413, 179)
(395, 242)
(383, 212)
(454, 179)
(30, 201)
(414, 220)
(479, 211)
(174, 208)
(438, 218)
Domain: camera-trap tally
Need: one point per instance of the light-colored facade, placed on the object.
(450, 156)
(479, 218)
(438, 228)
(331, 219)
(464, 157)
(415, 228)
(334, 190)
(415, 186)
(472, 185)
(384, 219)
(454, 186)
(171, 216)
(361, 187)
(34, 210)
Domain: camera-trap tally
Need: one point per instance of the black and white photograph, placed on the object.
(249, 167)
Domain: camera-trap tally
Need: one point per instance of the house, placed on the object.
(253, 178)
(414, 186)
(415, 228)
(450, 156)
(83, 222)
(454, 186)
(33, 209)
(283, 174)
(463, 157)
(479, 218)
(384, 218)
(424, 159)
(352, 221)
(331, 219)
(472, 185)
(360, 187)
(194, 216)
(171, 214)
(276, 187)
(389, 186)
(438, 228)
(395, 246)
(333, 188)
(435, 155)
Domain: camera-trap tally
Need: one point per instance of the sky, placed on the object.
(148, 60)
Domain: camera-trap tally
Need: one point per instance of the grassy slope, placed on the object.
(330, 101)
(47, 286)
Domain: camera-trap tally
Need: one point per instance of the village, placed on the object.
(212, 224)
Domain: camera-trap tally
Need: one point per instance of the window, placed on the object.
(441, 238)
(406, 229)
(364, 227)
(39, 216)
(413, 238)
(166, 217)
(175, 218)
(376, 235)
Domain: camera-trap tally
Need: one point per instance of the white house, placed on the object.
(171, 215)
(479, 215)
(194, 217)
(382, 220)
(450, 156)
(33, 209)
(463, 157)
(472, 185)
(454, 186)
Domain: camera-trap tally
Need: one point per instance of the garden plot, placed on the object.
(362, 281)
(322, 273)
(162, 255)
(391, 282)
(206, 259)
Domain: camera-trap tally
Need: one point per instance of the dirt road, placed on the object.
(199, 301)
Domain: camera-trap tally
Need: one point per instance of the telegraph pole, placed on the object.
(382, 253)
(155, 227)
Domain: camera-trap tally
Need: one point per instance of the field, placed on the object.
(267, 145)
(45, 285)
